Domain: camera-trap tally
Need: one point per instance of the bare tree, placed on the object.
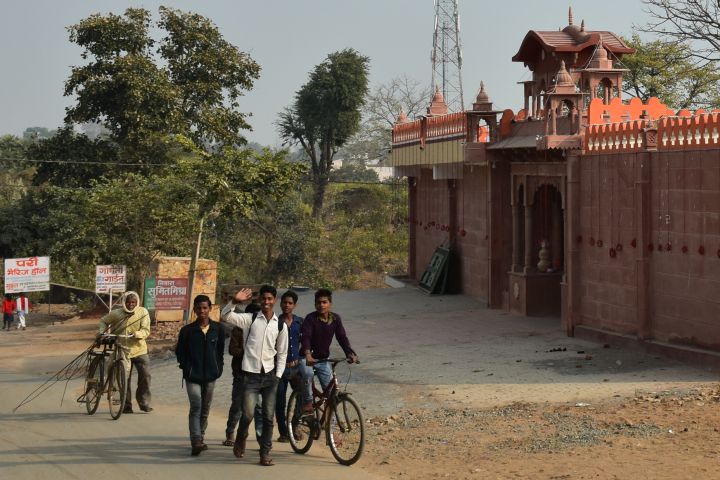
(696, 22)
(381, 110)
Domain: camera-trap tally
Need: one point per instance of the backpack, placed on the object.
(281, 325)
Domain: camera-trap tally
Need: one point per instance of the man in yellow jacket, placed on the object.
(134, 321)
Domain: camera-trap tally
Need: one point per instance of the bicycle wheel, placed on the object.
(116, 390)
(300, 428)
(346, 431)
(93, 386)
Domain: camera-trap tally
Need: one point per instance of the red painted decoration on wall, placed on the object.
(463, 232)
(613, 253)
(701, 250)
(592, 242)
(668, 247)
(579, 239)
(618, 247)
(684, 249)
(633, 243)
(600, 243)
(651, 247)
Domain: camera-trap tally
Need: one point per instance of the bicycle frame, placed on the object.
(335, 413)
(106, 374)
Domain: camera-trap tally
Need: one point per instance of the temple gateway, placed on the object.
(603, 211)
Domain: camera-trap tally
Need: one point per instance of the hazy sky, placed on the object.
(288, 38)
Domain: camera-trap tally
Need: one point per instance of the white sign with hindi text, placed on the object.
(110, 278)
(31, 274)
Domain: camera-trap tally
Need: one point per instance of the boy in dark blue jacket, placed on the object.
(199, 352)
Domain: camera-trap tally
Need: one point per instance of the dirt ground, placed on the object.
(668, 433)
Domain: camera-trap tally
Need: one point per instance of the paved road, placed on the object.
(416, 351)
(45, 440)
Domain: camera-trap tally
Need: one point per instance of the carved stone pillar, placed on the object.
(515, 236)
(528, 238)
(556, 235)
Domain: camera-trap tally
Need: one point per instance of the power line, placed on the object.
(83, 162)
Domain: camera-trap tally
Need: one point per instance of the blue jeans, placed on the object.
(200, 396)
(255, 386)
(236, 409)
(324, 374)
(292, 376)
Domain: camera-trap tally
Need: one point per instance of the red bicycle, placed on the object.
(336, 413)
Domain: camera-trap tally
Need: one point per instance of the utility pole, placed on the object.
(447, 54)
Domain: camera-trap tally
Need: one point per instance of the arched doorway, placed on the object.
(538, 247)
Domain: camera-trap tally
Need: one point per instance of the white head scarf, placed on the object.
(125, 297)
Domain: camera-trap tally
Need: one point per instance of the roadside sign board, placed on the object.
(149, 293)
(110, 278)
(168, 293)
(31, 274)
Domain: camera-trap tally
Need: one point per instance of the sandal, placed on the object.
(266, 461)
(228, 442)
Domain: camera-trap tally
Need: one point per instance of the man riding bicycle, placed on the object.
(318, 330)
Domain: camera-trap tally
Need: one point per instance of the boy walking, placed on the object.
(199, 351)
(23, 306)
(8, 308)
(263, 364)
(292, 373)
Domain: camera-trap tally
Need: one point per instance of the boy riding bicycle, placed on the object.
(318, 330)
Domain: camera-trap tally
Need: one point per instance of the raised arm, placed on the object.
(229, 313)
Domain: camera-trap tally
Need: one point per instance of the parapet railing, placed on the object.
(683, 131)
(452, 126)
(616, 137)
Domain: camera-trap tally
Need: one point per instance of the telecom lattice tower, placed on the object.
(447, 54)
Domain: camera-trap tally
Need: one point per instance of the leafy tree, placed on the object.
(132, 218)
(15, 175)
(70, 159)
(231, 182)
(210, 74)
(326, 113)
(189, 85)
(668, 71)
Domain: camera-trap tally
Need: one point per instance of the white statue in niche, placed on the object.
(544, 254)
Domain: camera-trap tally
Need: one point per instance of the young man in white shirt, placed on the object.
(263, 364)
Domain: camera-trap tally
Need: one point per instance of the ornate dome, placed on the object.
(563, 78)
(482, 96)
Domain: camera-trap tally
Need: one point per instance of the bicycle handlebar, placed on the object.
(109, 339)
(334, 361)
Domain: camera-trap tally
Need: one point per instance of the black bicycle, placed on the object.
(336, 413)
(105, 374)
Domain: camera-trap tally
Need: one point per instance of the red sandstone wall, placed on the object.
(472, 216)
(684, 287)
(431, 211)
(469, 264)
(607, 220)
(686, 213)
